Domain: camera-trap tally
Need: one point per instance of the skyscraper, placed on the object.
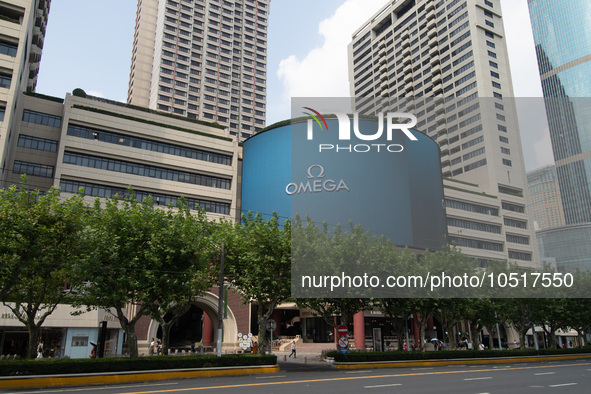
(446, 62)
(545, 203)
(23, 24)
(204, 59)
(562, 34)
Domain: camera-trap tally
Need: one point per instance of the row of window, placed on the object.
(145, 170)
(27, 141)
(146, 144)
(42, 118)
(469, 224)
(33, 169)
(102, 191)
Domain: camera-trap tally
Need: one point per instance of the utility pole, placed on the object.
(221, 305)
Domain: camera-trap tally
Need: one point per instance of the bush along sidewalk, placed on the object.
(81, 366)
(360, 357)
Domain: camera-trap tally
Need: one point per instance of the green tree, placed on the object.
(397, 310)
(182, 253)
(40, 242)
(258, 263)
(124, 260)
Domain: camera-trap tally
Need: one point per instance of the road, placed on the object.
(551, 377)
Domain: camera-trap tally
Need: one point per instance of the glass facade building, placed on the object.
(562, 35)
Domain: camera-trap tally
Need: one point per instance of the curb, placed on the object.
(22, 382)
(455, 361)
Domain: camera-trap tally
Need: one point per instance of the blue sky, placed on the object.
(88, 45)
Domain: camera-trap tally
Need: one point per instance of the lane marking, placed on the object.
(382, 385)
(269, 377)
(484, 378)
(544, 373)
(564, 384)
(348, 378)
(421, 369)
(99, 388)
(368, 371)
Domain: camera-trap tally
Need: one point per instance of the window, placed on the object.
(496, 85)
(477, 244)
(7, 48)
(42, 118)
(26, 141)
(34, 169)
(472, 225)
(507, 162)
(5, 81)
(504, 139)
(144, 170)
(95, 190)
(513, 207)
(520, 255)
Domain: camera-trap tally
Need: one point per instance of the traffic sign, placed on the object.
(343, 342)
(342, 330)
(271, 325)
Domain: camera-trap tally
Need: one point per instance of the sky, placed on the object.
(88, 45)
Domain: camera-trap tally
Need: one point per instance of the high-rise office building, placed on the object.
(446, 62)
(544, 202)
(562, 35)
(22, 31)
(204, 59)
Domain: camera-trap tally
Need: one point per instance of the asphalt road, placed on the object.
(547, 377)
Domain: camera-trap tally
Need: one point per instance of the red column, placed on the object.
(359, 330)
(276, 315)
(207, 330)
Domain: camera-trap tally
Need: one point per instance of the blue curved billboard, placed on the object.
(372, 172)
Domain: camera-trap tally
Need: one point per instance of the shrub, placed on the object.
(63, 366)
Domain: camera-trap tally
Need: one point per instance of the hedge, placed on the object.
(82, 366)
(448, 354)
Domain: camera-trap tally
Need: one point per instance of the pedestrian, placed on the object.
(152, 344)
(93, 351)
(293, 350)
(159, 346)
(40, 349)
(405, 346)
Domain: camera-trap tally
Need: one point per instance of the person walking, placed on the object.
(40, 349)
(293, 350)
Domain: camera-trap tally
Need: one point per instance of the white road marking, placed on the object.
(545, 373)
(564, 384)
(382, 385)
(269, 377)
(420, 369)
(488, 377)
(359, 371)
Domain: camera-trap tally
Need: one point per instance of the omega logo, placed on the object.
(316, 184)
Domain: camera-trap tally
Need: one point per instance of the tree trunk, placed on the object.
(33, 340)
(475, 334)
(129, 329)
(166, 336)
(263, 318)
(399, 328)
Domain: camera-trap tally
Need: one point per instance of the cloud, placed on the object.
(323, 71)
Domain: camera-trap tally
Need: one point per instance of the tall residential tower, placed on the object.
(22, 31)
(446, 62)
(204, 59)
